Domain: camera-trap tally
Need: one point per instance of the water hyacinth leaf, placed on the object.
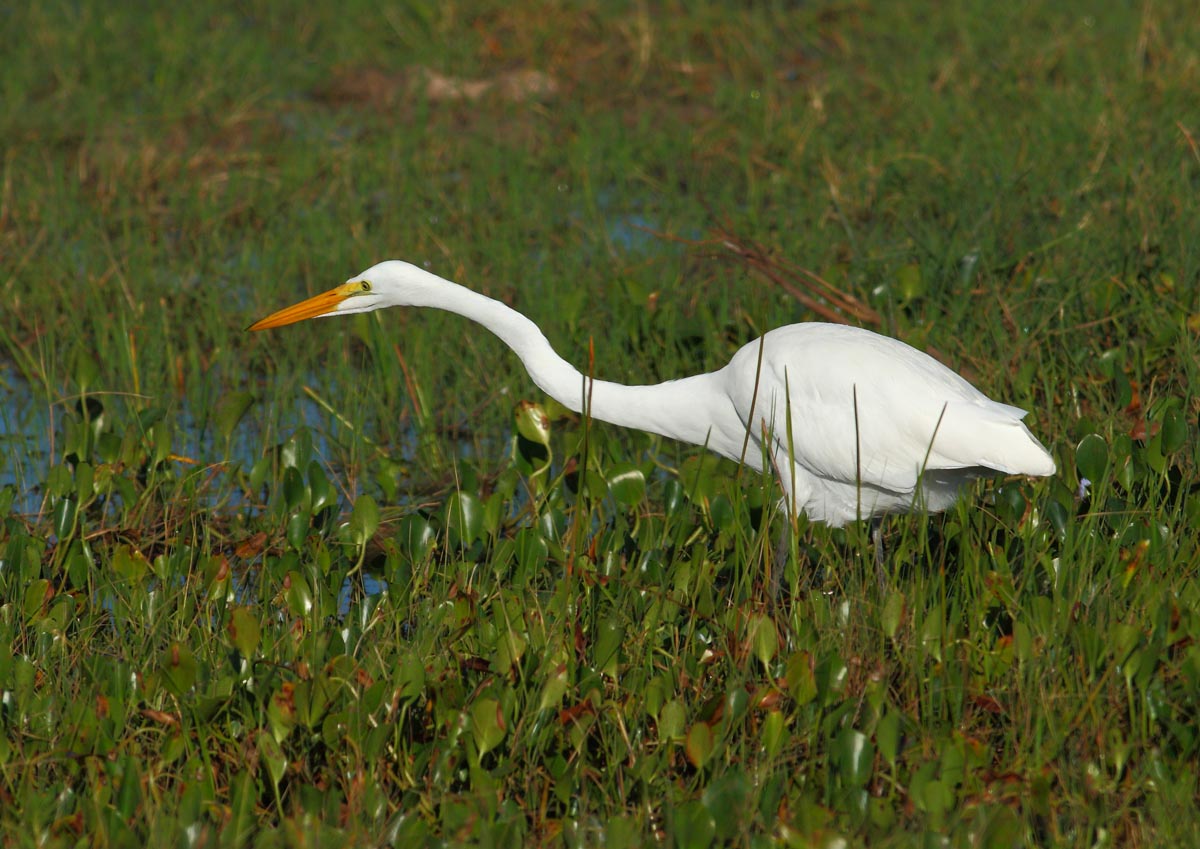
(887, 736)
(1010, 503)
(674, 502)
(764, 640)
(294, 490)
(230, 411)
(531, 549)
(627, 484)
(464, 518)
(36, 595)
(672, 720)
(910, 282)
(1091, 457)
(59, 483)
(1174, 430)
(532, 423)
(609, 635)
(510, 641)
(86, 371)
(774, 735)
(893, 612)
(727, 799)
(699, 744)
(129, 563)
(296, 529)
(737, 701)
(244, 631)
(556, 687)
(699, 476)
(299, 594)
(84, 481)
(64, 518)
(364, 519)
(281, 711)
(162, 434)
(296, 452)
(720, 512)
(322, 491)
(853, 755)
(831, 674)
(801, 678)
(241, 821)
(272, 757)
(416, 536)
(178, 668)
(487, 725)
(693, 826)
(1058, 516)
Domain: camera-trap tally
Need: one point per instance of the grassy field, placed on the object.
(325, 585)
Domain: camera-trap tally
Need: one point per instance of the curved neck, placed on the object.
(678, 409)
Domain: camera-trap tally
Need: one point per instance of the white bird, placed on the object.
(855, 425)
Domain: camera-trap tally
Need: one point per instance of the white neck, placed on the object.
(680, 409)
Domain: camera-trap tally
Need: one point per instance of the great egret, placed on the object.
(855, 424)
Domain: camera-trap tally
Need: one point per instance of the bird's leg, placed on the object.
(880, 554)
(779, 562)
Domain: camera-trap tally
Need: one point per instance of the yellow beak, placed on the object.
(315, 306)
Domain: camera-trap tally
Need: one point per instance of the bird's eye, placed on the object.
(365, 285)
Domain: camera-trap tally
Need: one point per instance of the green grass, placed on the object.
(310, 586)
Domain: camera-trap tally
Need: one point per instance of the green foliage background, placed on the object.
(341, 582)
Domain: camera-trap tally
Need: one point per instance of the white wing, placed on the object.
(865, 407)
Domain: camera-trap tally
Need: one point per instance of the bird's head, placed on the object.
(388, 284)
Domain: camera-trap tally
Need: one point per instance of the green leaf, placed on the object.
(244, 631)
(322, 491)
(853, 755)
(910, 282)
(272, 757)
(364, 519)
(627, 484)
(556, 687)
(727, 800)
(294, 490)
(487, 725)
(129, 563)
(296, 530)
(299, 594)
(178, 667)
(37, 594)
(831, 675)
(230, 411)
(671, 721)
(531, 549)
(64, 518)
(801, 678)
(416, 536)
(699, 475)
(1174, 431)
(887, 736)
(774, 733)
(296, 452)
(693, 826)
(609, 635)
(699, 744)
(1091, 457)
(893, 612)
(532, 423)
(764, 639)
(464, 518)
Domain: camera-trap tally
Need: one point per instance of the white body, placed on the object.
(875, 425)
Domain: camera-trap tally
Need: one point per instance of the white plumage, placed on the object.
(876, 425)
